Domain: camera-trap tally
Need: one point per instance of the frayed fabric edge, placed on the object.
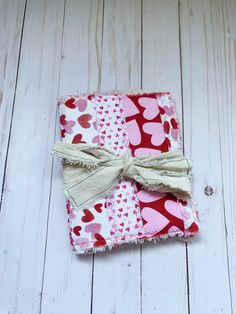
(117, 92)
(188, 237)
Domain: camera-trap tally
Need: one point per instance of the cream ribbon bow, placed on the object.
(91, 172)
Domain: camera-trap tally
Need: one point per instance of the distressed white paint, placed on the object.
(70, 46)
(25, 200)
(68, 278)
(203, 88)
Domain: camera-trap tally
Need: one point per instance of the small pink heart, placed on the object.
(169, 110)
(81, 104)
(175, 134)
(81, 241)
(96, 140)
(157, 132)
(151, 107)
(93, 228)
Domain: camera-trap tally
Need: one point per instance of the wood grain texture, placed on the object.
(203, 95)
(68, 278)
(116, 282)
(163, 263)
(24, 211)
(11, 23)
(225, 73)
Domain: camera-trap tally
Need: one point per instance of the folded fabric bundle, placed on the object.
(126, 179)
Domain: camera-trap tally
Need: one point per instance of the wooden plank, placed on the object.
(116, 287)
(164, 276)
(24, 212)
(226, 93)
(67, 287)
(203, 45)
(11, 22)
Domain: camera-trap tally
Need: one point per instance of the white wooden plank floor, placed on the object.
(55, 47)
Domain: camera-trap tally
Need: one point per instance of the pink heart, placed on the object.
(129, 107)
(143, 151)
(95, 140)
(174, 208)
(155, 221)
(169, 110)
(157, 132)
(82, 241)
(151, 105)
(93, 228)
(81, 104)
(149, 196)
(133, 132)
(173, 231)
(68, 127)
(175, 133)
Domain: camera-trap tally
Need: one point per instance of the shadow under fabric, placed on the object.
(126, 179)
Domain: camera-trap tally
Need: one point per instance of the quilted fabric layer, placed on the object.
(141, 125)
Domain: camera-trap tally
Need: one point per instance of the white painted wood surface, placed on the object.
(53, 47)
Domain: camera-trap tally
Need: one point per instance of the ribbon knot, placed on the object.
(128, 166)
(165, 172)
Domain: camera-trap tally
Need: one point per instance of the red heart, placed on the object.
(76, 230)
(98, 207)
(166, 127)
(63, 119)
(162, 111)
(174, 123)
(70, 103)
(100, 240)
(83, 120)
(77, 139)
(63, 132)
(88, 216)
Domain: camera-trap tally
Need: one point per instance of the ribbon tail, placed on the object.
(81, 154)
(167, 182)
(83, 188)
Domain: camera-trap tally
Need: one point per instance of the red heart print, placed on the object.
(63, 132)
(76, 230)
(100, 241)
(183, 202)
(63, 119)
(166, 127)
(70, 103)
(77, 139)
(98, 207)
(88, 216)
(162, 111)
(83, 120)
(174, 123)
